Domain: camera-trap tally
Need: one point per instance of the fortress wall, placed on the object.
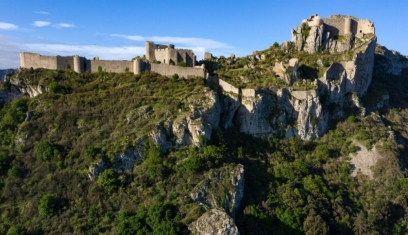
(365, 26)
(162, 55)
(170, 70)
(173, 56)
(190, 58)
(64, 61)
(117, 66)
(228, 87)
(302, 95)
(335, 25)
(28, 60)
(150, 51)
(248, 92)
(354, 27)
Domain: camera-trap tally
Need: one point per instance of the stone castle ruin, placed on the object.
(159, 58)
(336, 33)
(167, 54)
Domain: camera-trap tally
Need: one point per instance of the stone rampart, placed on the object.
(170, 70)
(249, 93)
(35, 61)
(116, 66)
(65, 62)
(228, 87)
(302, 95)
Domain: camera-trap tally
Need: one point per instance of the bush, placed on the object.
(17, 230)
(45, 151)
(109, 180)
(182, 64)
(47, 205)
(175, 77)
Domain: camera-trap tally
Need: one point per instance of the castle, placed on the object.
(159, 58)
(341, 25)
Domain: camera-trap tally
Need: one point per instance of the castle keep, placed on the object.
(337, 34)
(168, 56)
(340, 25)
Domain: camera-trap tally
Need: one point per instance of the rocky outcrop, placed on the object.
(312, 120)
(390, 61)
(287, 72)
(253, 116)
(214, 222)
(200, 121)
(221, 188)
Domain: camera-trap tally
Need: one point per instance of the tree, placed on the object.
(47, 205)
(315, 225)
(17, 230)
(45, 151)
(109, 180)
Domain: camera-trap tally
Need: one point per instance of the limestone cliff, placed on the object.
(220, 192)
(221, 188)
(214, 222)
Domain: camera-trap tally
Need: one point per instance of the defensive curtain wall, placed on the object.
(81, 64)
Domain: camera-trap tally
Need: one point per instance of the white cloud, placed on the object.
(199, 43)
(41, 12)
(89, 51)
(65, 25)
(8, 26)
(40, 23)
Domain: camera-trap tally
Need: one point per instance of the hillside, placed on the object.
(265, 145)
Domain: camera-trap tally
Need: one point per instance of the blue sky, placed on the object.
(119, 29)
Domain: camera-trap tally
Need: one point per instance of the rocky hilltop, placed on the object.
(307, 136)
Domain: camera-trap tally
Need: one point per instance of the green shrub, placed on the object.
(182, 64)
(17, 230)
(45, 151)
(109, 180)
(47, 205)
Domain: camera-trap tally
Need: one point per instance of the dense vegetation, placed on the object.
(291, 186)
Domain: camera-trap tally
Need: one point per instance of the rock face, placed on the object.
(214, 222)
(220, 192)
(227, 180)
(204, 116)
(392, 62)
(253, 116)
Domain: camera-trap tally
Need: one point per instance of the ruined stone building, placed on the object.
(167, 55)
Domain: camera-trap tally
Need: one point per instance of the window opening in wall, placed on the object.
(164, 61)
